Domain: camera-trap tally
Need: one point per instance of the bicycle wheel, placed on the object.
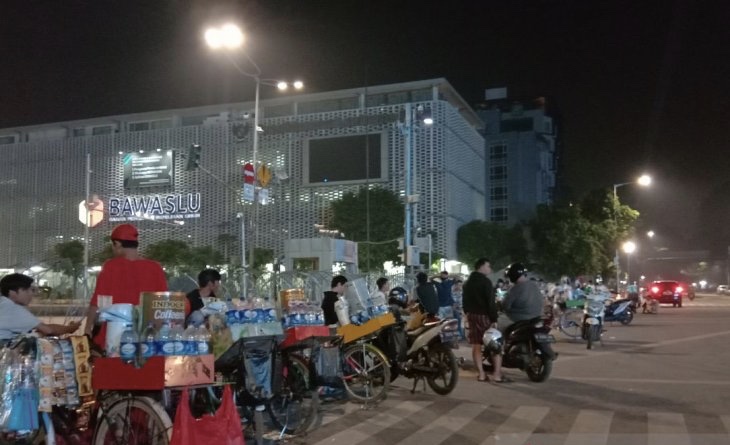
(365, 372)
(292, 409)
(570, 322)
(134, 421)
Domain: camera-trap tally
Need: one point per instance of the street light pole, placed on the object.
(643, 180)
(230, 37)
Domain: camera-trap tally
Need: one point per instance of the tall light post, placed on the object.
(628, 247)
(644, 181)
(229, 38)
(413, 115)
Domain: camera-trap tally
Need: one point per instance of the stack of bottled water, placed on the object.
(169, 340)
(301, 313)
(128, 344)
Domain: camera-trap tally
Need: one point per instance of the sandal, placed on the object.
(503, 379)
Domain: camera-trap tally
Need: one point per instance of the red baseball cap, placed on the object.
(125, 232)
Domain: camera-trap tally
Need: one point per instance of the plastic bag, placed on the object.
(222, 428)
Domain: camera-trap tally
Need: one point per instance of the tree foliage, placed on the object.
(68, 259)
(566, 242)
(374, 218)
(500, 244)
(177, 257)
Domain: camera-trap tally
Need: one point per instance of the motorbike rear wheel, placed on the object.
(628, 317)
(539, 367)
(442, 357)
(594, 334)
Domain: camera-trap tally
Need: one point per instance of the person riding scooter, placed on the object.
(524, 301)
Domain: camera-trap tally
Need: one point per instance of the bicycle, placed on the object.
(109, 417)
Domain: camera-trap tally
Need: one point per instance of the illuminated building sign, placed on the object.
(164, 206)
(147, 169)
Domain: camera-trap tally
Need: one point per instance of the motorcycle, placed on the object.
(620, 310)
(525, 345)
(423, 354)
(594, 312)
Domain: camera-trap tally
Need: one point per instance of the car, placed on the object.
(723, 289)
(667, 292)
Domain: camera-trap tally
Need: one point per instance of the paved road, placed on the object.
(660, 381)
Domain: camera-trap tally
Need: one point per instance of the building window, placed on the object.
(498, 172)
(499, 193)
(105, 129)
(150, 125)
(498, 151)
(521, 124)
(7, 140)
(499, 214)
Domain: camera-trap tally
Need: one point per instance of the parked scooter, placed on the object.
(424, 353)
(525, 345)
(620, 310)
(593, 317)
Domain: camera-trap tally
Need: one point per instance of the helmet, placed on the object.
(398, 296)
(514, 271)
(492, 340)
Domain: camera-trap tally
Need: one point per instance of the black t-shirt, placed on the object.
(428, 297)
(328, 307)
(478, 296)
(196, 301)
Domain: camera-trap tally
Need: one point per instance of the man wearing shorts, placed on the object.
(481, 314)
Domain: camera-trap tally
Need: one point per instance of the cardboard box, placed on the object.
(160, 307)
(351, 332)
(157, 373)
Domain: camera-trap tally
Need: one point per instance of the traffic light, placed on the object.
(193, 157)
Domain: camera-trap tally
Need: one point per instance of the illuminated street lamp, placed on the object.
(229, 37)
(628, 247)
(644, 181)
(650, 234)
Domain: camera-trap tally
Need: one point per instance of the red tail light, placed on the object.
(655, 289)
(679, 289)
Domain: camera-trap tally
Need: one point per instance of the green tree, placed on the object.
(374, 219)
(201, 257)
(566, 242)
(173, 255)
(500, 244)
(614, 223)
(68, 259)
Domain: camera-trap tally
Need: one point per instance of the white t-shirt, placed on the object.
(15, 319)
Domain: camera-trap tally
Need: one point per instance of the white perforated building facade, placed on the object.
(42, 176)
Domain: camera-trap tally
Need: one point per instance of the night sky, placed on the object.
(639, 85)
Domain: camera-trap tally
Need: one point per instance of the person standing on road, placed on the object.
(481, 314)
(17, 292)
(428, 296)
(457, 294)
(444, 283)
(124, 277)
(524, 301)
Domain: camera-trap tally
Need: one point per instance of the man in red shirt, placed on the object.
(124, 277)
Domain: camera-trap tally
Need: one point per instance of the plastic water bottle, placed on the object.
(148, 343)
(178, 339)
(128, 344)
(202, 340)
(165, 345)
(190, 340)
